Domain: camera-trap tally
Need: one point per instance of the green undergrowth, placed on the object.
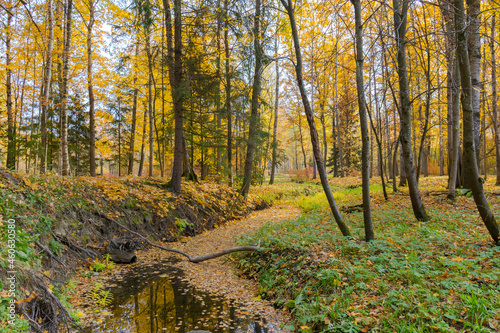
(439, 276)
(285, 191)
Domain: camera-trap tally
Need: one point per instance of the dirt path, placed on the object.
(219, 276)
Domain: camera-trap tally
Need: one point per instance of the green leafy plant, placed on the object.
(182, 224)
(101, 296)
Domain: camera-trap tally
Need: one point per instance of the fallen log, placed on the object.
(196, 259)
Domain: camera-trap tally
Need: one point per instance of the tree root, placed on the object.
(51, 255)
(196, 259)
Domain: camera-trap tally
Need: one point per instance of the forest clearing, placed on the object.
(250, 165)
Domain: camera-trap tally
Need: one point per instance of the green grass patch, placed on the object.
(439, 276)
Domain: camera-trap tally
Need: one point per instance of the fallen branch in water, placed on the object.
(196, 259)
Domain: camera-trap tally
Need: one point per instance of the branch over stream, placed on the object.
(196, 259)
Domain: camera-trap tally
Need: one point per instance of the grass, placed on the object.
(439, 276)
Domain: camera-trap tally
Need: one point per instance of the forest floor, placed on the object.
(436, 276)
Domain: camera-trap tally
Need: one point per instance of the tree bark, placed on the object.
(11, 135)
(228, 97)
(174, 60)
(253, 126)
(470, 161)
(494, 99)
(91, 7)
(365, 136)
(64, 94)
(134, 115)
(400, 20)
(287, 4)
(276, 106)
(474, 50)
(45, 91)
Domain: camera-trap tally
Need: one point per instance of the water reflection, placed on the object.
(162, 301)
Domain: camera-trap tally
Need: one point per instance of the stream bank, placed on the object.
(217, 279)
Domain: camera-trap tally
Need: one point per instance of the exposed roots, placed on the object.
(43, 310)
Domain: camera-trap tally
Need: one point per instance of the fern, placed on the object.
(100, 296)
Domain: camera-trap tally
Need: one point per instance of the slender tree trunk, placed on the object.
(228, 97)
(11, 137)
(130, 170)
(494, 99)
(276, 106)
(470, 160)
(365, 137)
(65, 84)
(474, 50)
(454, 123)
(150, 102)
(256, 91)
(45, 91)
(307, 108)
(400, 18)
(91, 87)
(143, 143)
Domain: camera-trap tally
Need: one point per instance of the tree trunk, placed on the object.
(276, 105)
(494, 99)
(174, 60)
(11, 136)
(470, 161)
(130, 170)
(365, 137)
(454, 123)
(474, 50)
(150, 101)
(400, 18)
(91, 87)
(253, 125)
(143, 143)
(307, 108)
(228, 97)
(45, 91)
(65, 83)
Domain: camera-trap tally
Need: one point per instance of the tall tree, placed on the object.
(400, 21)
(287, 4)
(276, 109)
(365, 136)
(45, 90)
(253, 126)
(494, 99)
(11, 135)
(470, 161)
(64, 92)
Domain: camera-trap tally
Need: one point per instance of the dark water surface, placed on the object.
(159, 299)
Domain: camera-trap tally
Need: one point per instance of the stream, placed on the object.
(159, 299)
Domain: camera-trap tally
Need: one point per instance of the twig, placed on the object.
(191, 259)
(51, 255)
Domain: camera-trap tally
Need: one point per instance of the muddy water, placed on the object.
(159, 299)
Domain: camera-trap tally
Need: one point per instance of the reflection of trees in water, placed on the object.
(152, 305)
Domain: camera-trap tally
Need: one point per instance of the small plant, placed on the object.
(101, 296)
(182, 224)
(99, 266)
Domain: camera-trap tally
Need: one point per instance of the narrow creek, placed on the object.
(159, 299)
